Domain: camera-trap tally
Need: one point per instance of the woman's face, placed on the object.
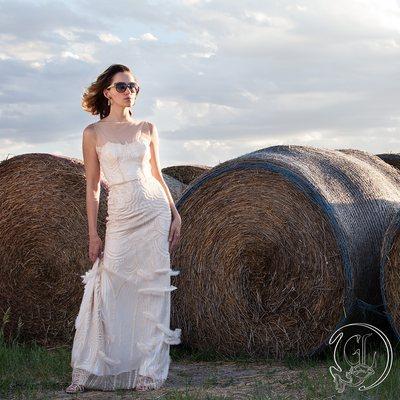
(125, 99)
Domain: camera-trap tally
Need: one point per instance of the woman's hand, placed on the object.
(174, 231)
(95, 247)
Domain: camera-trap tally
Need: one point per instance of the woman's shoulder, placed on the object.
(91, 128)
(89, 132)
(144, 122)
(151, 126)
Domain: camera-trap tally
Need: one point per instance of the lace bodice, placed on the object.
(123, 149)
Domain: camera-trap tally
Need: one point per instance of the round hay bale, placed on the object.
(175, 187)
(44, 245)
(185, 173)
(390, 274)
(392, 159)
(279, 247)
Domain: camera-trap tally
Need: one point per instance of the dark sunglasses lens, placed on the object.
(121, 87)
(134, 86)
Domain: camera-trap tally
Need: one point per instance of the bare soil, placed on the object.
(198, 380)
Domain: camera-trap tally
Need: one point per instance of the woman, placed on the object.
(122, 336)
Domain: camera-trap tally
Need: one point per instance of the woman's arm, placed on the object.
(155, 167)
(92, 169)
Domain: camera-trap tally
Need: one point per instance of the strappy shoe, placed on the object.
(75, 388)
(145, 383)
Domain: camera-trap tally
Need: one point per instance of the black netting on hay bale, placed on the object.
(392, 159)
(175, 186)
(279, 247)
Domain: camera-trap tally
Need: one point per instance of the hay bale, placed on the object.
(392, 159)
(44, 244)
(390, 274)
(279, 247)
(175, 187)
(185, 173)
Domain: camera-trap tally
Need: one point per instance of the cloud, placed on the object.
(218, 78)
(148, 36)
(109, 38)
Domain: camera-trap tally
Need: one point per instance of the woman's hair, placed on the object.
(93, 99)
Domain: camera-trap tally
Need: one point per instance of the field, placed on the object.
(34, 372)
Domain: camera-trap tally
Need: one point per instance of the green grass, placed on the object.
(322, 385)
(33, 372)
(30, 369)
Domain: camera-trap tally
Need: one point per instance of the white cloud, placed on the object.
(28, 51)
(183, 113)
(218, 78)
(85, 52)
(296, 7)
(109, 38)
(314, 100)
(66, 34)
(268, 20)
(148, 37)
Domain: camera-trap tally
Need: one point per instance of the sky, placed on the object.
(218, 78)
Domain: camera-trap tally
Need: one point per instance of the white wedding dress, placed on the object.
(123, 333)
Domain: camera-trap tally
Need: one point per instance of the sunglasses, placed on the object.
(120, 87)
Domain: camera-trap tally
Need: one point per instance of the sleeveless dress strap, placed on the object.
(96, 134)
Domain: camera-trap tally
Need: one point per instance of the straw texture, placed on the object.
(185, 173)
(279, 246)
(44, 244)
(390, 274)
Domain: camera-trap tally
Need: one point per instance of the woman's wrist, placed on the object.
(174, 211)
(175, 214)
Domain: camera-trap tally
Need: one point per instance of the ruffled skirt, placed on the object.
(123, 333)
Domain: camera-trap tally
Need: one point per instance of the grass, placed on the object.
(33, 372)
(321, 386)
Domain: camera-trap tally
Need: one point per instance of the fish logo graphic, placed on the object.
(355, 371)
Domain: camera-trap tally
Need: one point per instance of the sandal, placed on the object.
(75, 388)
(144, 383)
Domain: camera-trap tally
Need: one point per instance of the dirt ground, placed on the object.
(197, 380)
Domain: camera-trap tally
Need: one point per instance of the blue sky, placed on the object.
(218, 78)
